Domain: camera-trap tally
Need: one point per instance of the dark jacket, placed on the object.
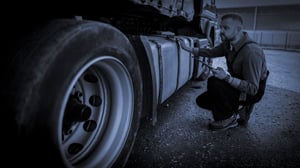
(248, 65)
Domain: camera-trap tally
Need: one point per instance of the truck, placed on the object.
(79, 82)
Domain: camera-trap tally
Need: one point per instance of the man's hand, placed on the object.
(179, 41)
(219, 73)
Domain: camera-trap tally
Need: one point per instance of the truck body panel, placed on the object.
(172, 8)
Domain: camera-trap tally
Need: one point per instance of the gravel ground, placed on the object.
(181, 138)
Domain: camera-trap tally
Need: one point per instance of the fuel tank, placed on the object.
(173, 66)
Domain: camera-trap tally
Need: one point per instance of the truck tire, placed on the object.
(75, 95)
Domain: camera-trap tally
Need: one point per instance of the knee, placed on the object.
(214, 83)
(204, 101)
(200, 99)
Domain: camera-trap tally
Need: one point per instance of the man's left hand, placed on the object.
(219, 73)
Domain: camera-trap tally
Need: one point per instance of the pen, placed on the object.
(204, 63)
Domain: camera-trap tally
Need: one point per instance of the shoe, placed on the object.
(230, 122)
(244, 115)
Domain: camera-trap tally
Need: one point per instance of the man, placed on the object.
(241, 83)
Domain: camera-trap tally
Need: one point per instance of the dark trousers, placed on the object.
(220, 98)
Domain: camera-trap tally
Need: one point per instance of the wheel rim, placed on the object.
(97, 113)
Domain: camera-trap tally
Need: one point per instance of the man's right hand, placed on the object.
(219, 73)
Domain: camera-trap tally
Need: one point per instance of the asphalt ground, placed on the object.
(182, 139)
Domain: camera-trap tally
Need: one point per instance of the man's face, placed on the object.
(229, 29)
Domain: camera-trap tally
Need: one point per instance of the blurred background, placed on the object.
(274, 24)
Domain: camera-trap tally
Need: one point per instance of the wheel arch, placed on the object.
(148, 75)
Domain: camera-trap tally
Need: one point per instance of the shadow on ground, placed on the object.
(181, 139)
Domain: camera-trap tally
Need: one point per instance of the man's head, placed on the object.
(231, 27)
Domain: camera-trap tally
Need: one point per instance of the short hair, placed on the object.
(233, 16)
